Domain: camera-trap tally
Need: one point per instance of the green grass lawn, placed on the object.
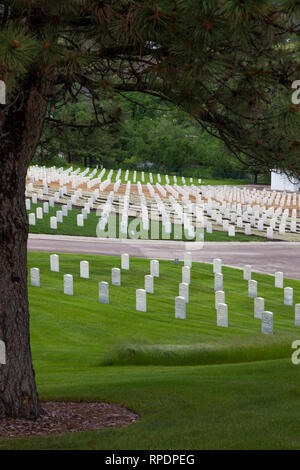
(69, 227)
(195, 385)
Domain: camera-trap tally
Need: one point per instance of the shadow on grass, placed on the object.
(260, 349)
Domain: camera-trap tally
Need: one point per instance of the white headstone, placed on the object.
(84, 269)
(222, 315)
(46, 207)
(218, 281)
(184, 291)
(39, 213)
(252, 289)
(116, 277)
(186, 274)
(35, 277)
(247, 229)
(53, 223)
(180, 307)
(80, 220)
(217, 263)
(31, 219)
(2, 353)
(2, 92)
(209, 227)
(270, 233)
(28, 204)
(219, 298)
(259, 307)
(247, 272)
(103, 292)
(231, 231)
(141, 303)
(149, 284)
(68, 284)
(260, 225)
(188, 258)
(154, 268)
(59, 216)
(125, 261)
(279, 279)
(288, 296)
(267, 323)
(54, 263)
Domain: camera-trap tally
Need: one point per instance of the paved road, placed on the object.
(266, 257)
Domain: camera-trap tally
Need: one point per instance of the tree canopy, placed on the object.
(228, 63)
(152, 134)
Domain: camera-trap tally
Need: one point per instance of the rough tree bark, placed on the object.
(20, 130)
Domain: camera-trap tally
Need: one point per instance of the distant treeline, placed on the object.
(150, 135)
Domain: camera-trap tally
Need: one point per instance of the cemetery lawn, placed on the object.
(69, 227)
(195, 385)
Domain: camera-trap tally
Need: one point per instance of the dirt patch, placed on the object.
(69, 417)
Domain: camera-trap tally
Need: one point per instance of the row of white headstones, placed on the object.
(259, 302)
(219, 193)
(268, 220)
(115, 279)
(60, 214)
(182, 299)
(266, 198)
(227, 214)
(252, 209)
(77, 177)
(185, 218)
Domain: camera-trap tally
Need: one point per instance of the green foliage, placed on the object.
(18, 51)
(227, 63)
(151, 132)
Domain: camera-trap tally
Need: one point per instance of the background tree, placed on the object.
(83, 145)
(226, 62)
(152, 134)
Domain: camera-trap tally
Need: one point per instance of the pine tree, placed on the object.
(229, 63)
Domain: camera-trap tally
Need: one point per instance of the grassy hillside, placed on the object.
(194, 384)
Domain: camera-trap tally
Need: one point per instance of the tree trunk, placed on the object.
(20, 130)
